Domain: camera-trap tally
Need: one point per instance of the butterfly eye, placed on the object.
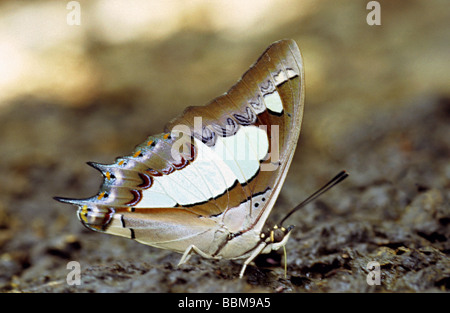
(278, 234)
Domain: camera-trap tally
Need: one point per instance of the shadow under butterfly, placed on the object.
(209, 182)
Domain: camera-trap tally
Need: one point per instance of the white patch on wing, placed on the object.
(243, 151)
(257, 138)
(205, 178)
(291, 73)
(273, 102)
(180, 189)
(196, 181)
(279, 77)
(155, 197)
(213, 171)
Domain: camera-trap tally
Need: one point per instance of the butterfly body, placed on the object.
(209, 182)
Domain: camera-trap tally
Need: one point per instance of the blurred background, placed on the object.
(377, 104)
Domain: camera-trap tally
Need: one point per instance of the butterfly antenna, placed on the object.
(333, 182)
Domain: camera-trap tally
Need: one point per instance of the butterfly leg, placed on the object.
(189, 251)
(254, 254)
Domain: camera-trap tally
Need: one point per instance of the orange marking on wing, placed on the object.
(100, 196)
(83, 213)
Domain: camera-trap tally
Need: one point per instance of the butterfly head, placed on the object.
(276, 237)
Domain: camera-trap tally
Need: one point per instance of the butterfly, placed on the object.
(208, 183)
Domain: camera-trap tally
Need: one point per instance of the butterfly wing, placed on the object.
(216, 171)
(266, 105)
